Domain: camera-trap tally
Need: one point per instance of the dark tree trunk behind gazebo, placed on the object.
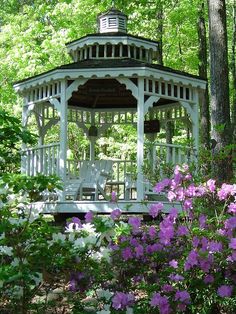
(202, 53)
(220, 107)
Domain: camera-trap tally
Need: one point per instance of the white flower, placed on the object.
(104, 312)
(15, 262)
(18, 291)
(17, 221)
(79, 243)
(72, 227)
(89, 228)
(129, 310)
(90, 240)
(6, 250)
(2, 236)
(71, 237)
(58, 237)
(37, 278)
(105, 252)
(104, 294)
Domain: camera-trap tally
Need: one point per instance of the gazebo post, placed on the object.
(63, 136)
(140, 139)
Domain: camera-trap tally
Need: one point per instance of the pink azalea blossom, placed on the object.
(161, 302)
(230, 223)
(209, 279)
(232, 244)
(202, 221)
(182, 231)
(113, 196)
(171, 196)
(89, 217)
(121, 301)
(232, 208)
(155, 209)
(182, 296)
(173, 263)
(152, 232)
(135, 222)
(127, 253)
(225, 191)
(160, 186)
(211, 184)
(115, 214)
(225, 291)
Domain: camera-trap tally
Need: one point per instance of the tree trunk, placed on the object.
(202, 53)
(169, 127)
(233, 69)
(220, 118)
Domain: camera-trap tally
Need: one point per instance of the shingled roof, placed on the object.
(112, 63)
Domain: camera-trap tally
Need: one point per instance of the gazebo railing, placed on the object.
(172, 154)
(42, 159)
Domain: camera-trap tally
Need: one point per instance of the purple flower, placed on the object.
(200, 191)
(161, 302)
(209, 279)
(180, 194)
(160, 186)
(202, 221)
(182, 296)
(127, 253)
(115, 214)
(205, 265)
(211, 184)
(121, 301)
(225, 291)
(173, 263)
(195, 241)
(89, 217)
(152, 232)
(225, 191)
(167, 288)
(182, 231)
(176, 277)
(73, 285)
(192, 260)
(113, 197)
(215, 246)
(232, 208)
(188, 204)
(135, 222)
(232, 244)
(171, 196)
(230, 223)
(155, 209)
(139, 251)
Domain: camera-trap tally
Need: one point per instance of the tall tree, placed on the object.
(233, 69)
(202, 54)
(220, 105)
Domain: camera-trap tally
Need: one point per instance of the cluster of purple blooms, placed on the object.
(165, 255)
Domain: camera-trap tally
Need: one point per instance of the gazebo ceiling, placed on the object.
(106, 93)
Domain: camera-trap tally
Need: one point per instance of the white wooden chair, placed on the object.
(92, 180)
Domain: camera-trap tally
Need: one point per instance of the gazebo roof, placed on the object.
(124, 63)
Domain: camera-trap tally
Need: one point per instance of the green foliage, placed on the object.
(11, 136)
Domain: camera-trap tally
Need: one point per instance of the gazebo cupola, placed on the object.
(112, 21)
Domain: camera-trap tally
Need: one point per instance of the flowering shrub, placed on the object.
(183, 261)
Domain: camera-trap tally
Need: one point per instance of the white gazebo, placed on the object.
(114, 79)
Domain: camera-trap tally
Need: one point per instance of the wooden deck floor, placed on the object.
(99, 206)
